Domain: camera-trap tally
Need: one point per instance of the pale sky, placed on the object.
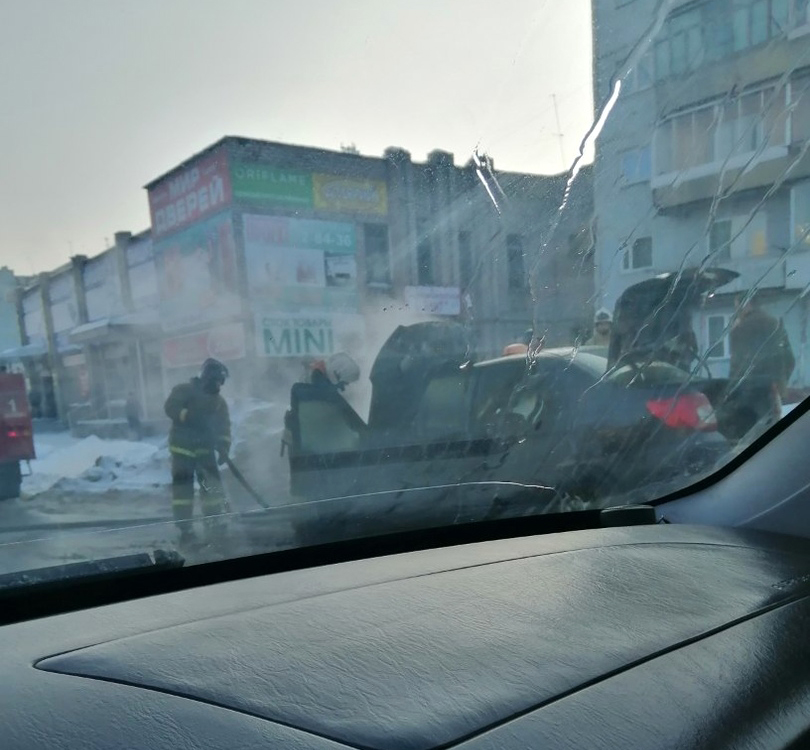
(101, 96)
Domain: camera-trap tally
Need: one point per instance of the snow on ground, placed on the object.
(80, 479)
(61, 457)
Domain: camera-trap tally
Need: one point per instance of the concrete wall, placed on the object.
(9, 328)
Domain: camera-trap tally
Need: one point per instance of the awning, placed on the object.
(26, 351)
(116, 327)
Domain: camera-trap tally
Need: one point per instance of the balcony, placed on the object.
(750, 141)
(738, 174)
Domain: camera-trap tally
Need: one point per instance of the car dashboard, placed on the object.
(645, 636)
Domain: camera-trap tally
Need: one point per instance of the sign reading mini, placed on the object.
(307, 334)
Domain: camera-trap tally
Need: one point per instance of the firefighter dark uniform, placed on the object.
(200, 437)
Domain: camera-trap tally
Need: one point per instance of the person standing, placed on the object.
(602, 324)
(761, 364)
(199, 441)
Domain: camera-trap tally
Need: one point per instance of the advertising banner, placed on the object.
(307, 334)
(292, 187)
(197, 275)
(197, 191)
(296, 264)
(344, 194)
(434, 300)
(225, 343)
(262, 183)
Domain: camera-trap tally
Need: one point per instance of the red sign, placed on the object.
(226, 343)
(192, 194)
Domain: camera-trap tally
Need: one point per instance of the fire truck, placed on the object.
(16, 433)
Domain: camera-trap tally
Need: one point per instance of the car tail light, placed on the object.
(691, 410)
(13, 433)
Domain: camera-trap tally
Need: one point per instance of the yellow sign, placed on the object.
(343, 194)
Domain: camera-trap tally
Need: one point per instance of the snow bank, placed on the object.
(62, 457)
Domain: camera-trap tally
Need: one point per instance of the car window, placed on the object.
(442, 410)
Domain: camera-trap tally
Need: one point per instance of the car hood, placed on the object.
(431, 648)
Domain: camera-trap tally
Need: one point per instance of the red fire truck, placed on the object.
(16, 433)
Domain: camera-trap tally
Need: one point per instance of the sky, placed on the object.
(102, 96)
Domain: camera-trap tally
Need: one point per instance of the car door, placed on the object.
(531, 426)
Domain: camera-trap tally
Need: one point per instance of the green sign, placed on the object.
(270, 184)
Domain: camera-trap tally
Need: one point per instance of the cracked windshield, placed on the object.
(278, 275)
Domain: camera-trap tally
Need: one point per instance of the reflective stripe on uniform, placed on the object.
(202, 452)
(181, 451)
(180, 502)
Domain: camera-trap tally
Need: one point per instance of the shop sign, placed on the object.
(226, 343)
(433, 300)
(306, 335)
(262, 183)
(344, 194)
(195, 192)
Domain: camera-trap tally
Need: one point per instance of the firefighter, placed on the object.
(761, 364)
(199, 441)
(602, 323)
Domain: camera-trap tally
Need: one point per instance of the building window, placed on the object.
(465, 259)
(516, 272)
(378, 257)
(800, 13)
(800, 215)
(719, 131)
(636, 165)
(717, 336)
(718, 29)
(780, 16)
(800, 103)
(424, 255)
(639, 255)
(720, 241)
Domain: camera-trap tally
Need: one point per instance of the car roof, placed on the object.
(562, 352)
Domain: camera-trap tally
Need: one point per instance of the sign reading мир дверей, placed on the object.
(197, 191)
